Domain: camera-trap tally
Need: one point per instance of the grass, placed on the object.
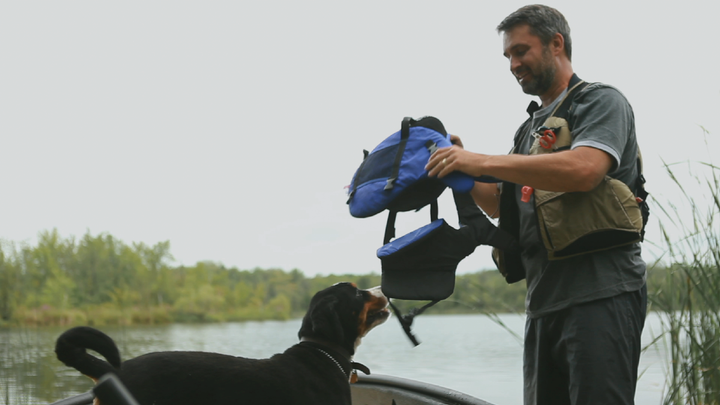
(689, 303)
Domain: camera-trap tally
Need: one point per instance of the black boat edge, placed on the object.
(368, 390)
(109, 390)
(389, 390)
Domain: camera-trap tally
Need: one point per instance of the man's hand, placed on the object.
(447, 160)
(438, 166)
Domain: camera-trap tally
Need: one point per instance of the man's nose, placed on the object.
(514, 63)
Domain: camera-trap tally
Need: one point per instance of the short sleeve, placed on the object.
(602, 118)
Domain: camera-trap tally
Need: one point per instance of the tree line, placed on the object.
(98, 280)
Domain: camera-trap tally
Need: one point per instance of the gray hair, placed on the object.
(544, 23)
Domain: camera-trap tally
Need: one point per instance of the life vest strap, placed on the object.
(407, 320)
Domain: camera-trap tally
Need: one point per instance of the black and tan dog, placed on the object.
(315, 371)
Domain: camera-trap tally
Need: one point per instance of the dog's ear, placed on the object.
(323, 321)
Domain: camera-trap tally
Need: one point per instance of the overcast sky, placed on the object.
(231, 128)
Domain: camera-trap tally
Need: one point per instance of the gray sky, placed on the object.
(231, 128)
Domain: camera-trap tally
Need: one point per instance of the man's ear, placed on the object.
(557, 44)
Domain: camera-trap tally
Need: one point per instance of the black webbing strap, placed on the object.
(390, 227)
(432, 148)
(574, 87)
(642, 194)
(392, 215)
(407, 320)
(404, 136)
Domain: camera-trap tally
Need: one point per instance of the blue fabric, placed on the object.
(369, 193)
(409, 239)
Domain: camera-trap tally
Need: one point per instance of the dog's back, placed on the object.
(314, 371)
(293, 377)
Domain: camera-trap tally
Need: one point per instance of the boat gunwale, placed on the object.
(418, 387)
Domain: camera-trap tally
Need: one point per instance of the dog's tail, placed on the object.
(71, 346)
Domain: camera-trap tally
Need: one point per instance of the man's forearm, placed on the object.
(581, 169)
(487, 196)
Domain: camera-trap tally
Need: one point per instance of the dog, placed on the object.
(314, 371)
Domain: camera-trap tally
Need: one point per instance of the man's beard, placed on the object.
(543, 76)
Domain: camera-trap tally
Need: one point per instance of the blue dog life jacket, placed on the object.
(420, 265)
(393, 177)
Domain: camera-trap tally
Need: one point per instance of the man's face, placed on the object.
(531, 62)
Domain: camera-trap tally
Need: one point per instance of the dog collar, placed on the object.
(334, 361)
(355, 366)
(351, 374)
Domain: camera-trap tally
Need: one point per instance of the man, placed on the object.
(585, 313)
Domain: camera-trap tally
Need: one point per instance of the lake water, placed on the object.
(469, 353)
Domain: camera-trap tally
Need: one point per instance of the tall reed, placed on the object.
(689, 303)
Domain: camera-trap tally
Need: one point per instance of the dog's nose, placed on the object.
(376, 292)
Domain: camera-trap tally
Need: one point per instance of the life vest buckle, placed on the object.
(546, 137)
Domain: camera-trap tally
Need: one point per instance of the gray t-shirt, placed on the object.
(601, 118)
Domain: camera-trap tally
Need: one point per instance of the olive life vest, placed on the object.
(571, 223)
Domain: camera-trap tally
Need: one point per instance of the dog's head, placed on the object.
(343, 314)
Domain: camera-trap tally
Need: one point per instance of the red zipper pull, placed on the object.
(527, 192)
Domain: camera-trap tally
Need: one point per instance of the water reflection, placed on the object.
(29, 371)
(468, 353)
